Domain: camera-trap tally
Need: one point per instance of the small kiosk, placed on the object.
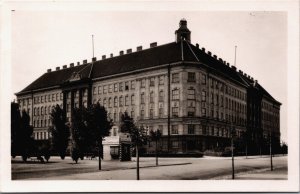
(117, 147)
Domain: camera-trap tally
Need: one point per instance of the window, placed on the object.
(42, 110)
(110, 88)
(34, 112)
(94, 90)
(115, 117)
(191, 109)
(222, 101)
(126, 100)
(161, 112)
(126, 86)
(142, 114)
(53, 98)
(132, 99)
(174, 129)
(203, 96)
(142, 98)
(143, 83)
(175, 144)
(161, 80)
(42, 100)
(104, 102)
(152, 81)
(109, 102)
(191, 129)
(152, 97)
(151, 114)
(99, 89)
(120, 87)
(115, 87)
(132, 84)
(203, 79)
(212, 98)
(38, 111)
(121, 101)
(175, 111)
(175, 77)
(132, 114)
(217, 99)
(161, 96)
(115, 101)
(191, 94)
(61, 96)
(203, 110)
(175, 94)
(104, 89)
(204, 129)
(56, 96)
(191, 77)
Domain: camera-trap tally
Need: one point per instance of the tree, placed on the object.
(59, 131)
(15, 128)
(26, 141)
(138, 136)
(80, 135)
(155, 136)
(98, 125)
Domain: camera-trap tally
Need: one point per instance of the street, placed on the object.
(206, 168)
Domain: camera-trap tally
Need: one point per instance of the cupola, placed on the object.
(183, 32)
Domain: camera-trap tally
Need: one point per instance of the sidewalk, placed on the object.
(261, 174)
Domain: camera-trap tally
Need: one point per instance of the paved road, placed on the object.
(169, 169)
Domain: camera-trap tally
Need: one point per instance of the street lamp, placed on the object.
(232, 147)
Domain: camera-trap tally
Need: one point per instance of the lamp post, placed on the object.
(232, 147)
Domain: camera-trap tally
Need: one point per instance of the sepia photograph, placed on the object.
(147, 95)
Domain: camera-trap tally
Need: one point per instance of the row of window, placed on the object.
(48, 98)
(42, 123)
(216, 84)
(41, 135)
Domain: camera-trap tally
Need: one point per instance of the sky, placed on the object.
(46, 39)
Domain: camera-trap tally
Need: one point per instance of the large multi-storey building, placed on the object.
(192, 96)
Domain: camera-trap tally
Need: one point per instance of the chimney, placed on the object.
(103, 56)
(227, 64)
(84, 61)
(129, 51)
(197, 45)
(203, 49)
(64, 66)
(139, 48)
(94, 59)
(121, 53)
(252, 78)
(220, 59)
(57, 68)
(240, 71)
(72, 65)
(48, 70)
(233, 67)
(248, 76)
(209, 53)
(111, 55)
(78, 63)
(215, 56)
(245, 74)
(153, 44)
(224, 62)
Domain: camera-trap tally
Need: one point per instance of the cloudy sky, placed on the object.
(47, 39)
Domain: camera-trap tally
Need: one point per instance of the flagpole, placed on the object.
(93, 44)
(235, 47)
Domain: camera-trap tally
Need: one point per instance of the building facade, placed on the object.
(193, 97)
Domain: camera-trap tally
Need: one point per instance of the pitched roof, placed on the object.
(151, 57)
